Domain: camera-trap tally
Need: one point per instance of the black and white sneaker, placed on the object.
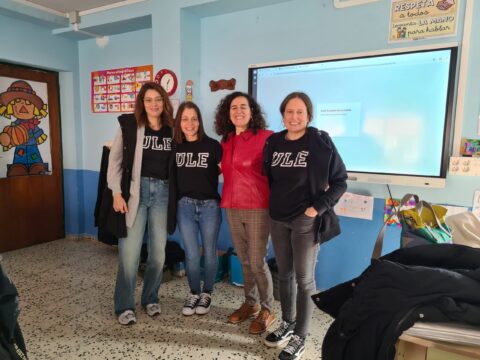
(190, 304)
(294, 349)
(281, 335)
(203, 305)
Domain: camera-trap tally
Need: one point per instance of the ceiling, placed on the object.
(67, 6)
(59, 15)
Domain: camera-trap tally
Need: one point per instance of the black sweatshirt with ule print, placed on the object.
(289, 193)
(196, 166)
(194, 173)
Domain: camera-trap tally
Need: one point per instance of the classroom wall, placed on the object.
(123, 50)
(30, 44)
(311, 28)
(267, 34)
(207, 40)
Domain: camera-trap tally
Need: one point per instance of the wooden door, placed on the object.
(31, 192)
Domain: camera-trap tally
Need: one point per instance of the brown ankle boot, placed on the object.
(37, 169)
(17, 170)
(243, 313)
(264, 319)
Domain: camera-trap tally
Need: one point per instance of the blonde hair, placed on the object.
(7, 111)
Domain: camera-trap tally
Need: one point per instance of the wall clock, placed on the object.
(168, 80)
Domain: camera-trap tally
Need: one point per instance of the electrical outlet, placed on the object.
(464, 166)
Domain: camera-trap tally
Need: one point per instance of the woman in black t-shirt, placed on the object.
(194, 191)
(307, 177)
(138, 177)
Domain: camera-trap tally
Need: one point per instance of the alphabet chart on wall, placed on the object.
(116, 90)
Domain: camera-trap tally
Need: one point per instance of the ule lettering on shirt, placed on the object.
(283, 159)
(151, 142)
(186, 160)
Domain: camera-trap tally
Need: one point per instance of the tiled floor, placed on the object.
(66, 291)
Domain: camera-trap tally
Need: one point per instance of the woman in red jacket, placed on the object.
(245, 197)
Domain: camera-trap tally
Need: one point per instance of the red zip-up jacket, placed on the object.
(245, 185)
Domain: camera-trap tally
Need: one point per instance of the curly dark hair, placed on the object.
(223, 124)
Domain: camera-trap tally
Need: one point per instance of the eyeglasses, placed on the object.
(150, 101)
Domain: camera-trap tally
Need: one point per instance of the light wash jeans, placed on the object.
(152, 209)
(204, 217)
(296, 253)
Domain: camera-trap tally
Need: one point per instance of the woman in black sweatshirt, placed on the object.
(307, 177)
(194, 202)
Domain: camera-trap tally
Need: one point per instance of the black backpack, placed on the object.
(12, 345)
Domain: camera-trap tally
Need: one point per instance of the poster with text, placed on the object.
(116, 90)
(414, 20)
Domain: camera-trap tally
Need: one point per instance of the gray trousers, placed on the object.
(296, 254)
(249, 229)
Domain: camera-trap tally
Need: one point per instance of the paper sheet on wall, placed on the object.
(476, 204)
(356, 206)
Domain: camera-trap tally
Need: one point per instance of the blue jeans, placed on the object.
(204, 217)
(152, 209)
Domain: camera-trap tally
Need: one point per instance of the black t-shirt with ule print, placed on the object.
(157, 148)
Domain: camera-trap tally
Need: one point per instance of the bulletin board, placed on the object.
(116, 90)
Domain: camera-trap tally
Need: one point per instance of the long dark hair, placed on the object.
(166, 118)
(223, 124)
(178, 135)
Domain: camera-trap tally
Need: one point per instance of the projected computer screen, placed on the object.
(387, 114)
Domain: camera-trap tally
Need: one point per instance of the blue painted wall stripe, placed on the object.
(339, 260)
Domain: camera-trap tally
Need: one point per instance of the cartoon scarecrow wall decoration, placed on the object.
(23, 134)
